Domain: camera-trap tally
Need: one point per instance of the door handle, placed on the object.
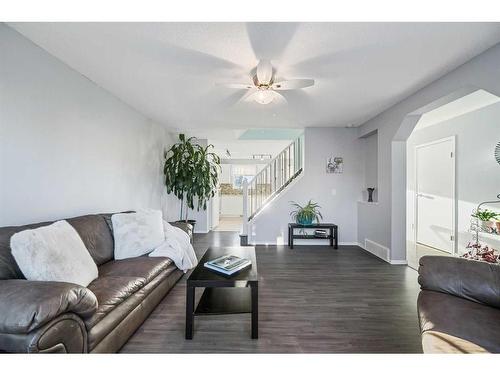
(425, 196)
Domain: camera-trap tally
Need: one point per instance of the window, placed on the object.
(241, 173)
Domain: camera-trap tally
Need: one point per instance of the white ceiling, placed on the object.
(169, 71)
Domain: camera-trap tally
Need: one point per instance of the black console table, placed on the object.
(332, 235)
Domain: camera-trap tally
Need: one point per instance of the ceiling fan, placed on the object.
(264, 88)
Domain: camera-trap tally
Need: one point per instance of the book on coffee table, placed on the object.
(228, 264)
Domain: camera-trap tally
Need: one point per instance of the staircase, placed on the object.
(271, 181)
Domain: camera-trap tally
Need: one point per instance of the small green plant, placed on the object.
(485, 215)
(306, 214)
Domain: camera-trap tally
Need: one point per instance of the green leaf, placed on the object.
(305, 213)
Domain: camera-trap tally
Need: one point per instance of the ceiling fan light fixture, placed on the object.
(264, 89)
(264, 96)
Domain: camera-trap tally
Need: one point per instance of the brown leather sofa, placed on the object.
(459, 305)
(56, 317)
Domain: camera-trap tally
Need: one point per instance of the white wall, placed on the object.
(337, 194)
(231, 205)
(375, 222)
(477, 172)
(203, 217)
(67, 147)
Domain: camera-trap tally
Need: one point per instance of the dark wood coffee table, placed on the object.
(237, 294)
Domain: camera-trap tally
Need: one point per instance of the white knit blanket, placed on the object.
(177, 246)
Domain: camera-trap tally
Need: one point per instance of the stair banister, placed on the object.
(244, 229)
(271, 180)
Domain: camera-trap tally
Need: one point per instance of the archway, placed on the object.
(399, 225)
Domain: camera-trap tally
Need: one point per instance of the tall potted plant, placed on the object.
(191, 172)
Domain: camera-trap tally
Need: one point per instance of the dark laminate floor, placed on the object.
(311, 299)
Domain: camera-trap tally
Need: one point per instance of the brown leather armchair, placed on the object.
(459, 305)
(55, 317)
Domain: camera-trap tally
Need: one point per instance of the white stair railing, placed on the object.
(271, 180)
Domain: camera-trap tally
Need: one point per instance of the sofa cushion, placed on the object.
(133, 310)
(464, 278)
(53, 253)
(137, 233)
(451, 324)
(111, 291)
(145, 267)
(96, 236)
(8, 265)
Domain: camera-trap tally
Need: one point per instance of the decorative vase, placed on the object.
(370, 194)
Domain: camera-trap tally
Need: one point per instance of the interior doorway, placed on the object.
(229, 224)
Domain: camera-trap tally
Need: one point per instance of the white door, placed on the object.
(435, 195)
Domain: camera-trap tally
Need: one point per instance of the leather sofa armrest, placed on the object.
(464, 278)
(186, 227)
(28, 305)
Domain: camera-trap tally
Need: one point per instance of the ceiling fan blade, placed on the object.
(293, 84)
(280, 97)
(236, 85)
(233, 99)
(264, 71)
(249, 96)
(298, 101)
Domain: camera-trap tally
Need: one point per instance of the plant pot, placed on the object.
(305, 221)
(487, 226)
(498, 226)
(192, 222)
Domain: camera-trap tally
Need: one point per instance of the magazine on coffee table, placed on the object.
(228, 264)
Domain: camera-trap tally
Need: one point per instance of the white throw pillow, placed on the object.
(137, 233)
(53, 253)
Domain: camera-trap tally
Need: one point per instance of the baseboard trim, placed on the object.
(296, 244)
(392, 262)
(398, 262)
(201, 231)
